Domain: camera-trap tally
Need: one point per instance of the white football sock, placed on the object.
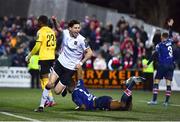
(51, 99)
(44, 97)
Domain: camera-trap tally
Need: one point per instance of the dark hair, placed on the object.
(72, 23)
(43, 19)
(165, 35)
(50, 23)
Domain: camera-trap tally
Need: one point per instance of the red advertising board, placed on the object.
(109, 79)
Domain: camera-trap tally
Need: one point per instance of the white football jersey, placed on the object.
(72, 50)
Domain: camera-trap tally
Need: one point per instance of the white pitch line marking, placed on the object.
(21, 117)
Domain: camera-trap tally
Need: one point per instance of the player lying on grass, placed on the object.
(87, 101)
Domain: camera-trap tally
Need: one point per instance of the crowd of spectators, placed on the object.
(120, 47)
(15, 35)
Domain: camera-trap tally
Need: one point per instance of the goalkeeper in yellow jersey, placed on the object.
(46, 46)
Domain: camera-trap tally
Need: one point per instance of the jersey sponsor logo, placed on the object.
(72, 45)
(75, 42)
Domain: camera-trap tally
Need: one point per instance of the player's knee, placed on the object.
(49, 85)
(156, 81)
(168, 82)
(43, 76)
(57, 92)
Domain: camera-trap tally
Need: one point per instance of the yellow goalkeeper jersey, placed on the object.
(47, 37)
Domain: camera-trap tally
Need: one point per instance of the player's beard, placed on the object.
(74, 34)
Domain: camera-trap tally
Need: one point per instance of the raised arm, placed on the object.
(170, 24)
(56, 26)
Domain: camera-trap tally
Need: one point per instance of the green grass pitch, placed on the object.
(21, 102)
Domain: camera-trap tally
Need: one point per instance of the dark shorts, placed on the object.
(45, 66)
(103, 102)
(65, 75)
(165, 71)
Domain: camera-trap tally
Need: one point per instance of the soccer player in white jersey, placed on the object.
(74, 52)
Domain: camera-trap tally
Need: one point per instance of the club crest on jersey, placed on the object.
(86, 43)
(75, 42)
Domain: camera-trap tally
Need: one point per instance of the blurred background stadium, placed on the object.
(121, 33)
